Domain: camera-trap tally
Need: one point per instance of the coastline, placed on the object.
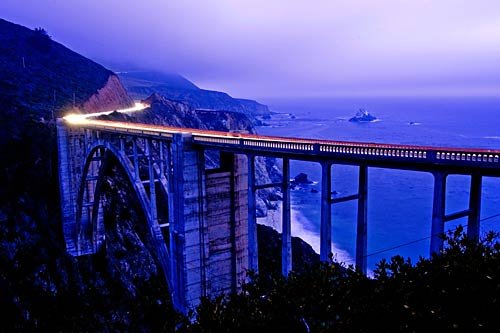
(301, 227)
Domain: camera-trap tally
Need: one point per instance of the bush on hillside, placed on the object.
(458, 289)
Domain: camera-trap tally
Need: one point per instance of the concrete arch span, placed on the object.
(89, 217)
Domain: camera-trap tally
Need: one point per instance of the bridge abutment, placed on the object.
(210, 229)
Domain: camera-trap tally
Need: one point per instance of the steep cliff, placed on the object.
(163, 111)
(111, 96)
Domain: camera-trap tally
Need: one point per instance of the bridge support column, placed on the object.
(361, 230)
(286, 234)
(473, 224)
(438, 212)
(227, 226)
(326, 212)
(209, 232)
(67, 189)
(253, 250)
(177, 237)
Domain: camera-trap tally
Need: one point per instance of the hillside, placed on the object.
(141, 84)
(39, 75)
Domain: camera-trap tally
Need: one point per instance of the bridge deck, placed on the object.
(422, 158)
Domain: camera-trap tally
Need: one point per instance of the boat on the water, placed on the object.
(363, 116)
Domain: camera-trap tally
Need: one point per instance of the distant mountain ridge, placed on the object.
(141, 84)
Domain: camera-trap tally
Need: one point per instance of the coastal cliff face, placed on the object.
(111, 96)
(141, 84)
(163, 111)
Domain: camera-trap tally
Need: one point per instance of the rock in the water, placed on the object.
(301, 179)
(363, 116)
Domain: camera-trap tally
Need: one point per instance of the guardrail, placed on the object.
(443, 155)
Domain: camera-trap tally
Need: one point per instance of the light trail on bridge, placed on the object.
(83, 118)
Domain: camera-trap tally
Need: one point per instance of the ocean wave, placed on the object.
(492, 137)
(301, 227)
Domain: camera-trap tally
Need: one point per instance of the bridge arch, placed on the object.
(90, 228)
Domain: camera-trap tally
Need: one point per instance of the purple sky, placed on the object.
(266, 48)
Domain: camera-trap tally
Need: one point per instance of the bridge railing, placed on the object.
(438, 155)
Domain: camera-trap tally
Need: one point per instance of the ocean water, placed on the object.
(399, 202)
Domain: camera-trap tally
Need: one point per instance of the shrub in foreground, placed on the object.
(457, 289)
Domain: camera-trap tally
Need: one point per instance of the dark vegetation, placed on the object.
(458, 290)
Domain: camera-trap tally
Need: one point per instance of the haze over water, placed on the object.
(399, 202)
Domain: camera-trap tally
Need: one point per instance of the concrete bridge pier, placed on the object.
(209, 232)
(438, 212)
(439, 216)
(474, 219)
(253, 249)
(362, 214)
(326, 211)
(286, 223)
(362, 225)
(227, 225)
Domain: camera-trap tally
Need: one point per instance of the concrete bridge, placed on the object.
(208, 238)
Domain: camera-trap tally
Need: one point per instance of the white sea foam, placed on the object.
(492, 137)
(301, 227)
